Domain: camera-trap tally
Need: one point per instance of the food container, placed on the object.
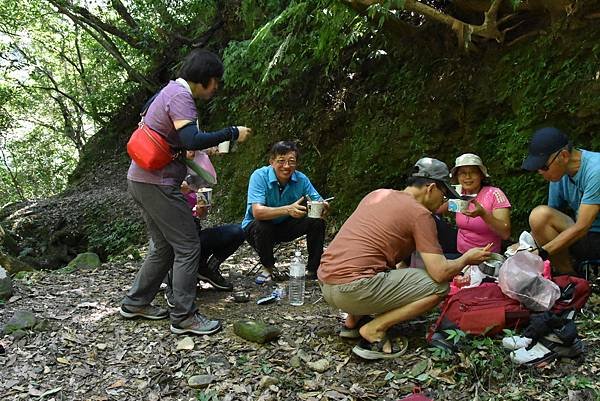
(241, 296)
(458, 205)
(315, 209)
(491, 267)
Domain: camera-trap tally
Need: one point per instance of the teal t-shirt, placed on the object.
(582, 188)
(264, 189)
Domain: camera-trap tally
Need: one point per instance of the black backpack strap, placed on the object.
(148, 103)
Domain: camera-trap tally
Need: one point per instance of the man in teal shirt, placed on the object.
(276, 210)
(574, 176)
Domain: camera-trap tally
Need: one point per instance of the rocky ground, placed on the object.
(80, 349)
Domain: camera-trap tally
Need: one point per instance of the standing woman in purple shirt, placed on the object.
(175, 243)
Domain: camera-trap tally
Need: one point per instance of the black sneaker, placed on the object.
(146, 311)
(169, 299)
(215, 279)
(196, 324)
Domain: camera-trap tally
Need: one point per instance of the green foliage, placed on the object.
(35, 166)
(284, 51)
(515, 3)
(65, 77)
(481, 360)
(115, 238)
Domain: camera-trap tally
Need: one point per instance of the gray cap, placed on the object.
(435, 170)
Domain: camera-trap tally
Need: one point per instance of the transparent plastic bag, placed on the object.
(521, 278)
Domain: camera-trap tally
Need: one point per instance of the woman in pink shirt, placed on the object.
(488, 218)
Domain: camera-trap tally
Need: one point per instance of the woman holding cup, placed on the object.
(487, 219)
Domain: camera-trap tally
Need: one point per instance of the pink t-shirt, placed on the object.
(473, 231)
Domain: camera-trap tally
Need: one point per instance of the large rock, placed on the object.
(21, 320)
(6, 288)
(86, 260)
(13, 265)
(256, 331)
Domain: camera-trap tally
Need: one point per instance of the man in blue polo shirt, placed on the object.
(276, 210)
(574, 176)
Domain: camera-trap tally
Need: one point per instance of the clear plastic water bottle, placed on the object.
(297, 276)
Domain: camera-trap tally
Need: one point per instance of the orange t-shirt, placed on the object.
(386, 227)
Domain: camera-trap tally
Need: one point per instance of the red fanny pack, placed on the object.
(148, 149)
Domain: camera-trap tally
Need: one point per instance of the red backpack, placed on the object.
(482, 310)
(576, 290)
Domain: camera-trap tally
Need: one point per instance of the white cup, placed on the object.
(315, 209)
(224, 147)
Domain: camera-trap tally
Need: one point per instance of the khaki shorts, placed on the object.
(383, 292)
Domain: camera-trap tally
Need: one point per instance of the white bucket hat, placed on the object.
(468, 159)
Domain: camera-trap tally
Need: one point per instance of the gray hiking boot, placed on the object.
(196, 324)
(146, 311)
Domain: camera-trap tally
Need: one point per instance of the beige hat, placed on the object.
(468, 159)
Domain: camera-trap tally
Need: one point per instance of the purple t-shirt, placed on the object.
(174, 102)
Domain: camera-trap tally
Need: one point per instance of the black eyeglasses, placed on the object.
(444, 191)
(546, 166)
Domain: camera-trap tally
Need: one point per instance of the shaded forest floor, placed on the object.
(85, 351)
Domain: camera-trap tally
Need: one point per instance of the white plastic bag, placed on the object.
(521, 278)
(526, 242)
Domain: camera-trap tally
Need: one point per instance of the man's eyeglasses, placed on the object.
(283, 162)
(444, 192)
(546, 166)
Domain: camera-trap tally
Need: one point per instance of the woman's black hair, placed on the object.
(200, 66)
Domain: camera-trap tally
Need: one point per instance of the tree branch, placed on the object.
(464, 31)
(122, 11)
(102, 38)
(84, 16)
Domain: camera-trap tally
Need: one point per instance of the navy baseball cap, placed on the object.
(544, 142)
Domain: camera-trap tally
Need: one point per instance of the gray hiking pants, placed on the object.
(175, 243)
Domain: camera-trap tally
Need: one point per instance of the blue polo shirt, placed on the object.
(582, 188)
(263, 188)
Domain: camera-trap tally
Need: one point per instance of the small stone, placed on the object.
(303, 355)
(186, 344)
(218, 360)
(267, 381)
(319, 366)
(295, 361)
(41, 325)
(21, 320)
(311, 385)
(18, 334)
(200, 381)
